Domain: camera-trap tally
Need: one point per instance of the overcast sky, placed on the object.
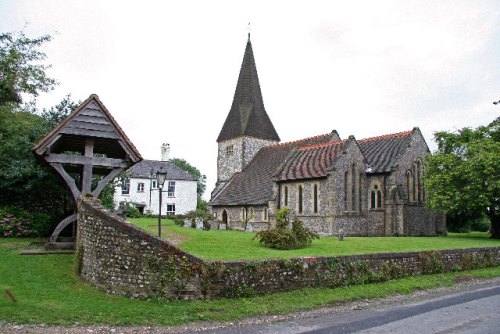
(167, 70)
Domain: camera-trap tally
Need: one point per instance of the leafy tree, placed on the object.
(195, 172)
(22, 70)
(463, 177)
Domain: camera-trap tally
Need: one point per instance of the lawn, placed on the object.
(232, 245)
(47, 291)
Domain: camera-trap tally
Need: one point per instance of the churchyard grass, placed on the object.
(233, 245)
(47, 291)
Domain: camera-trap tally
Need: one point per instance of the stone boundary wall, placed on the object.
(120, 258)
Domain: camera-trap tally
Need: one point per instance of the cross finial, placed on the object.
(249, 28)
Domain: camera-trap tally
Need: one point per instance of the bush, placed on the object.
(130, 210)
(283, 238)
(17, 222)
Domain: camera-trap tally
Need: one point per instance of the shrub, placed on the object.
(130, 210)
(283, 238)
(17, 222)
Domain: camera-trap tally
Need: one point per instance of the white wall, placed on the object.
(184, 197)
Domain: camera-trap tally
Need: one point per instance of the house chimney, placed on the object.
(165, 152)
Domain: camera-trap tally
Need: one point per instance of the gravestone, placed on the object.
(187, 223)
(199, 223)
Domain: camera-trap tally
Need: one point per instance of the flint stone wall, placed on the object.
(120, 258)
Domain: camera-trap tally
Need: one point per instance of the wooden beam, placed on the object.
(43, 149)
(89, 147)
(82, 160)
(87, 179)
(105, 180)
(65, 222)
(70, 182)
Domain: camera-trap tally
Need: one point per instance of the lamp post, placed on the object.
(161, 176)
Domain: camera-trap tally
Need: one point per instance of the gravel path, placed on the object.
(464, 284)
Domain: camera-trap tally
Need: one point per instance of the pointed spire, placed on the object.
(248, 116)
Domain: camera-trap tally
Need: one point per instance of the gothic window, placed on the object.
(265, 214)
(315, 198)
(125, 186)
(409, 186)
(361, 187)
(285, 190)
(352, 189)
(375, 197)
(140, 187)
(171, 189)
(300, 202)
(229, 150)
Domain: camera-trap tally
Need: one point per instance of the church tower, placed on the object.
(247, 128)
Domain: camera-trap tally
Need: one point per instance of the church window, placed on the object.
(300, 199)
(140, 187)
(375, 197)
(409, 186)
(229, 150)
(125, 186)
(286, 195)
(265, 214)
(315, 198)
(352, 189)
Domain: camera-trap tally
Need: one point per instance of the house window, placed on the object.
(300, 199)
(170, 209)
(171, 189)
(315, 198)
(125, 186)
(154, 184)
(265, 214)
(229, 150)
(375, 198)
(140, 187)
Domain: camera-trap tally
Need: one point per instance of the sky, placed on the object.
(167, 70)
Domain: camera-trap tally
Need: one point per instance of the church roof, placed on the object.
(383, 152)
(254, 185)
(142, 170)
(310, 162)
(248, 116)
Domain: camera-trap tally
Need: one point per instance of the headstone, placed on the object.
(341, 235)
(222, 227)
(187, 223)
(213, 225)
(199, 223)
(249, 228)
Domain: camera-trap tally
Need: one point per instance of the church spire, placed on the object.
(247, 116)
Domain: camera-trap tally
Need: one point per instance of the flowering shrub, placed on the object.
(18, 223)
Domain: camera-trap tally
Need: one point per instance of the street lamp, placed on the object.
(161, 176)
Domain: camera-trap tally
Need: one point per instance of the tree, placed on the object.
(463, 177)
(195, 172)
(22, 70)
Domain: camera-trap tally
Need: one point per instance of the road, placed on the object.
(476, 311)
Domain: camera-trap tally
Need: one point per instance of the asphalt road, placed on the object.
(476, 311)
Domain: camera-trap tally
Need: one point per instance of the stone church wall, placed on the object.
(120, 258)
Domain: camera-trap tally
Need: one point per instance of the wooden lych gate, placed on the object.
(86, 146)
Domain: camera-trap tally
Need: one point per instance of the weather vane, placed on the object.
(249, 28)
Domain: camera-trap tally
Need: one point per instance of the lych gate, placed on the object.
(87, 149)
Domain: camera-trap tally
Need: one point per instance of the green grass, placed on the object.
(232, 245)
(47, 291)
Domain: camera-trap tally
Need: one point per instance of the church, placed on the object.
(363, 187)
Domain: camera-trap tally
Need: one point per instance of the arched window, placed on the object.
(315, 198)
(409, 186)
(352, 189)
(285, 190)
(375, 197)
(300, 202)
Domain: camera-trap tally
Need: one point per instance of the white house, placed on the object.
(140, 188)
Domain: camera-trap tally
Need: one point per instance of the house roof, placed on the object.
(142, 170)
(310, 162)
(254, 185)
(248, 116)
(90, 119)
(383, 152)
